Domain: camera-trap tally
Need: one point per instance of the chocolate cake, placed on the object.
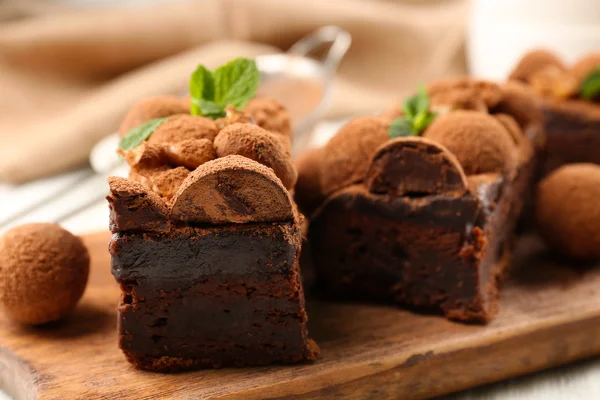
(571, 116)
(206, 245)
(426, 219)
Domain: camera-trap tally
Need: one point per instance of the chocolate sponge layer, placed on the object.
(211, 297)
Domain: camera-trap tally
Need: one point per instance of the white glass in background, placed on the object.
(500, 31)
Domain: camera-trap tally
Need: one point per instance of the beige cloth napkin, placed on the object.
(67, 77)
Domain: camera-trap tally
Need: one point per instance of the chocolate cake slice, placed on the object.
(205, 247)
(425, 222)
(571, 113)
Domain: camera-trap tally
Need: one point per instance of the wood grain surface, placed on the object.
(550, 315)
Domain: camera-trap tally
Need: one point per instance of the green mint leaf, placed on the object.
(422, 121)
(590, 87)
(202, 86)
(236, 82)
(418, 103)
(410, 106)
(401, 127)
(422, 99)
(137, 135)
(208, 108)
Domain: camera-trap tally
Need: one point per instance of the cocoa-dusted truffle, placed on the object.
(190, 153)
(182, 127)
(464, 94)
(584, 67)
(567, 211)
(415, 165)
(478, 140)
(146, 155)
(260, 145)
(511, 126)
(347, 156)
(552, 81)
(309, 189)
(151, 108)
(232, 189)
(270, 115)
(533, 62)
(233, 116)
(43, 272)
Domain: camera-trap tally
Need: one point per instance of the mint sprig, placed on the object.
(590, 87)
(417, 116)
(234, 83)
(137, 135)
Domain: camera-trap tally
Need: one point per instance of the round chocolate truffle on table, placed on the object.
(151, 108)
(567, 211)
(478, 140)
(43, 272)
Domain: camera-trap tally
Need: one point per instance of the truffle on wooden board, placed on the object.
(414, 165)
(183, 127)
(260, 145)
(232, 189)
(567, 211)
(533, 62)
(151, 108)
(479, 141)
(347, 156)
(43, 272)
(270, 115)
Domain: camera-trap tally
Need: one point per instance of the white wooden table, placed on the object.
(76, 201)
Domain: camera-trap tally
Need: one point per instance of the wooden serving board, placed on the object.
(550, 315)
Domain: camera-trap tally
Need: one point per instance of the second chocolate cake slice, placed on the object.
(424, 221)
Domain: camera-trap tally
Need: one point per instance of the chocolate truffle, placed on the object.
(478, 140)
(232, 189)
(309, 189)
(554, 82)
(260, 145)
(151, 108)
(270, 115)
(348, 154)
(567, 211)
(183, 127)
(43, 272)
(585, 66)
(464, 94)
(511, 126)
(190, 153)
(415, 166)
(533, 62)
